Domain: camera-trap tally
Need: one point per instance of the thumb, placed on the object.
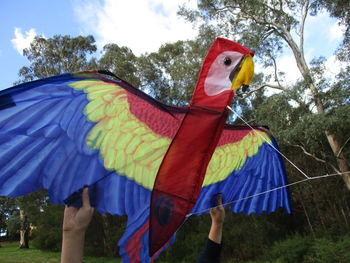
(86, 198)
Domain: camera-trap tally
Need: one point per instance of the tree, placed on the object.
(120, 61)
(7, 206)
(29, 209)
(266, 27)
(170, 74)
(57, 55)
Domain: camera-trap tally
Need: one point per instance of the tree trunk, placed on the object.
(332, 139)
(342, 164)
(106, 228)
(24, 232)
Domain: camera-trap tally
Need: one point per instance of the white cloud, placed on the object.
(142, 25)
(22, 41)
(286, 64)
(333, 67)
(336, 31)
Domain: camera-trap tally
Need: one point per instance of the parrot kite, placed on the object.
(139, 157)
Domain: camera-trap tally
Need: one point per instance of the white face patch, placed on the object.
(218, 78)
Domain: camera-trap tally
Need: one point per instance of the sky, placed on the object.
(142, 25)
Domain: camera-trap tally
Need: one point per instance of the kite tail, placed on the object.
(133, 245)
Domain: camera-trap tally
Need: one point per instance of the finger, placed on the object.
(219, 199)
(86, 198)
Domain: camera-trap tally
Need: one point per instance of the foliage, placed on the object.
(47, 233)
(305, 249)
(170, 74)
(189, 241)
(57, 55)
(324, 250)
(290, 250)
(103, 234)
(13, 225)
(237, 21)
(7, 207)
(120, 61)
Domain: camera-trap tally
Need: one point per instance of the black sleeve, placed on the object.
(210, 253)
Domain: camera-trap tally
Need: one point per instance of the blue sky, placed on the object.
(46, 17)
(142, 25)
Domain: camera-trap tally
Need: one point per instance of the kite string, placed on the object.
(271, 190)
(295, 166)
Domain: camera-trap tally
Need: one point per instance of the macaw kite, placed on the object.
(139, 157)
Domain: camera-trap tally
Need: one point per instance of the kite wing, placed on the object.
(248, 172)
(84, 129)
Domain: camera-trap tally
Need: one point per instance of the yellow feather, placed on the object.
(96, 86)
(133, 145)
(111, 124)
(110, 109)
(150, 177)
(120, 161)
(95, 110)
(139, 174)
(108, 97)
(95, 137)
(109, 160)
(93, 105)
(123, 141)
(141, 152)
(97, 94)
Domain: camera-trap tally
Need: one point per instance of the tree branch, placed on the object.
(263, 86)
(275, 67)
(314, 156)
(305, 11)
(309, 154)
(279, 87)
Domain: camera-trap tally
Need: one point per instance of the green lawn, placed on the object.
(9, 253)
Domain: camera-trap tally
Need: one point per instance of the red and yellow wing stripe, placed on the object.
(127, 145)
(231, 157)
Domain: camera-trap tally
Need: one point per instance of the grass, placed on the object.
(10, 253)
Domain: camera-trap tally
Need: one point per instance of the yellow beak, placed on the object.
(245, 74)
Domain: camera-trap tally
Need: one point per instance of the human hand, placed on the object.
(217, 213)
(75, 222)
(77, 219)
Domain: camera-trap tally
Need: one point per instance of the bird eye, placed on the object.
(227, 61)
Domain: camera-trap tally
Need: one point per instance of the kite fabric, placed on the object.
(182, 171)
(74, 130)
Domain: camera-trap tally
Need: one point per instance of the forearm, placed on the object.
(73, 246)
(215, 233)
